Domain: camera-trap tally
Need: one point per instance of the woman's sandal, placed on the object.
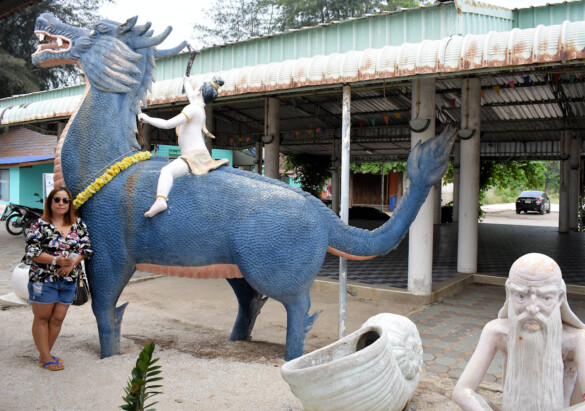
(47, 364)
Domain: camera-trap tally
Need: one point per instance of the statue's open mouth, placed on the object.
(51, 43)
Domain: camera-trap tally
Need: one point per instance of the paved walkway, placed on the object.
(449, 329)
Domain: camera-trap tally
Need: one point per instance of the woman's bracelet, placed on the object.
(54, 262)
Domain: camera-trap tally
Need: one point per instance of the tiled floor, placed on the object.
(499, 246)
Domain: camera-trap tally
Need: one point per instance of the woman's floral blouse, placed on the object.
(45, 237)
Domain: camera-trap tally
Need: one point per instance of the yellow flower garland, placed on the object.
(106, 177)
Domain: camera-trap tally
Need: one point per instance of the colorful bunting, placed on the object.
(247, 139)
(556, 78)
(526, 80)
(318, 130)
(572, 78)
(373, 120)
(482, 93)
(361, 123)
(386, 118)
(297, 133)
(397, 115)
(231, 140)
(511, 84)
(239, 139)
(453, 102)
(309, 132)
(497, 89)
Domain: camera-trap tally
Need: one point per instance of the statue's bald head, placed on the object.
(535, 270)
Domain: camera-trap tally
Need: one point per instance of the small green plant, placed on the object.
(137, 391)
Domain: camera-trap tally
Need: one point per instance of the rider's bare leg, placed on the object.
(176, 168)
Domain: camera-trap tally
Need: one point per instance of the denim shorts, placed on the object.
(60, 291)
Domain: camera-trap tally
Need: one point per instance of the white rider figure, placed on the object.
(189, 124)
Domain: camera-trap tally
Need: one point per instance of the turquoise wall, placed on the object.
(26, 181)
(31, 181)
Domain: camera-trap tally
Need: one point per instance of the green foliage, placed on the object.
(233, 20)
(311, 170)
(375, 168)
(18, 42)
(137, 391)
(516, 175)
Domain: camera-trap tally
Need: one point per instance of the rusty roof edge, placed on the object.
(467, 55)
(471, 54)
(479, 7)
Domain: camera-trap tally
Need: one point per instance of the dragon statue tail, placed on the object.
(426, 165)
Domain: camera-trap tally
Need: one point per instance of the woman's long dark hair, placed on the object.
(48, 212)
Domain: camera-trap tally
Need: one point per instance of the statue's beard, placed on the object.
(534, 371)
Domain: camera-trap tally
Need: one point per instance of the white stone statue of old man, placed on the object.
(542, 341)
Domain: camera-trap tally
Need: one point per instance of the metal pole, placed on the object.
(382, 190)
(345, 141)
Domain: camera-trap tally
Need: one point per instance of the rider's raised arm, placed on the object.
(162, 123)
(191, 94)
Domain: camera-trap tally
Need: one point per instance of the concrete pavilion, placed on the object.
(511, 81)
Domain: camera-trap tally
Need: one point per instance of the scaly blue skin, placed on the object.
(211, 219)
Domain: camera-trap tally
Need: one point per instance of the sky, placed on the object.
(182, 14)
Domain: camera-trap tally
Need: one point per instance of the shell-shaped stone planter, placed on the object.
(375, 368)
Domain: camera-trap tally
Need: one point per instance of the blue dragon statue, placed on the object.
(213, 222)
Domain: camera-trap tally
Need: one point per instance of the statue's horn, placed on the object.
(144, 42)
(170, 52)
(126, 27)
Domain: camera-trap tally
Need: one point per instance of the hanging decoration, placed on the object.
(482, 93)
(397, 115)
(318, 130)
(512, 84)
(453, 102)
(386, 118)
(373, 120)
(526, 80)
(497, 89)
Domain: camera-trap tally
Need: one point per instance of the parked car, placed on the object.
(533, 201)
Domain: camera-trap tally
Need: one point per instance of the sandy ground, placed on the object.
(190, 322)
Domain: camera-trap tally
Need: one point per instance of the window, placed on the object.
(5, 185)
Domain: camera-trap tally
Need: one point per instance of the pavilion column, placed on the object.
(60, 127)
(272, 129)
(469, 177)
(420, 235)
(209, 125)
(456, 165)
(574, 181)
(437, 206)
(336, 176)
(565, 177)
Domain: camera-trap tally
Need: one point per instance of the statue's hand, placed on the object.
(143, 117)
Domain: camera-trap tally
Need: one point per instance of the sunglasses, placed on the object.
(59, 199)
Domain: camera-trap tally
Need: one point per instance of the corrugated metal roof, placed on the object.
(454, 57)
(456, 54)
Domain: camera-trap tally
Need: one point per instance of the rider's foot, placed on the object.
(159, 205)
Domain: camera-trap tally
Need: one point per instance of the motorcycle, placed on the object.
(19, 218)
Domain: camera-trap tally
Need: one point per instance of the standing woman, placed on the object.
(55, 245)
